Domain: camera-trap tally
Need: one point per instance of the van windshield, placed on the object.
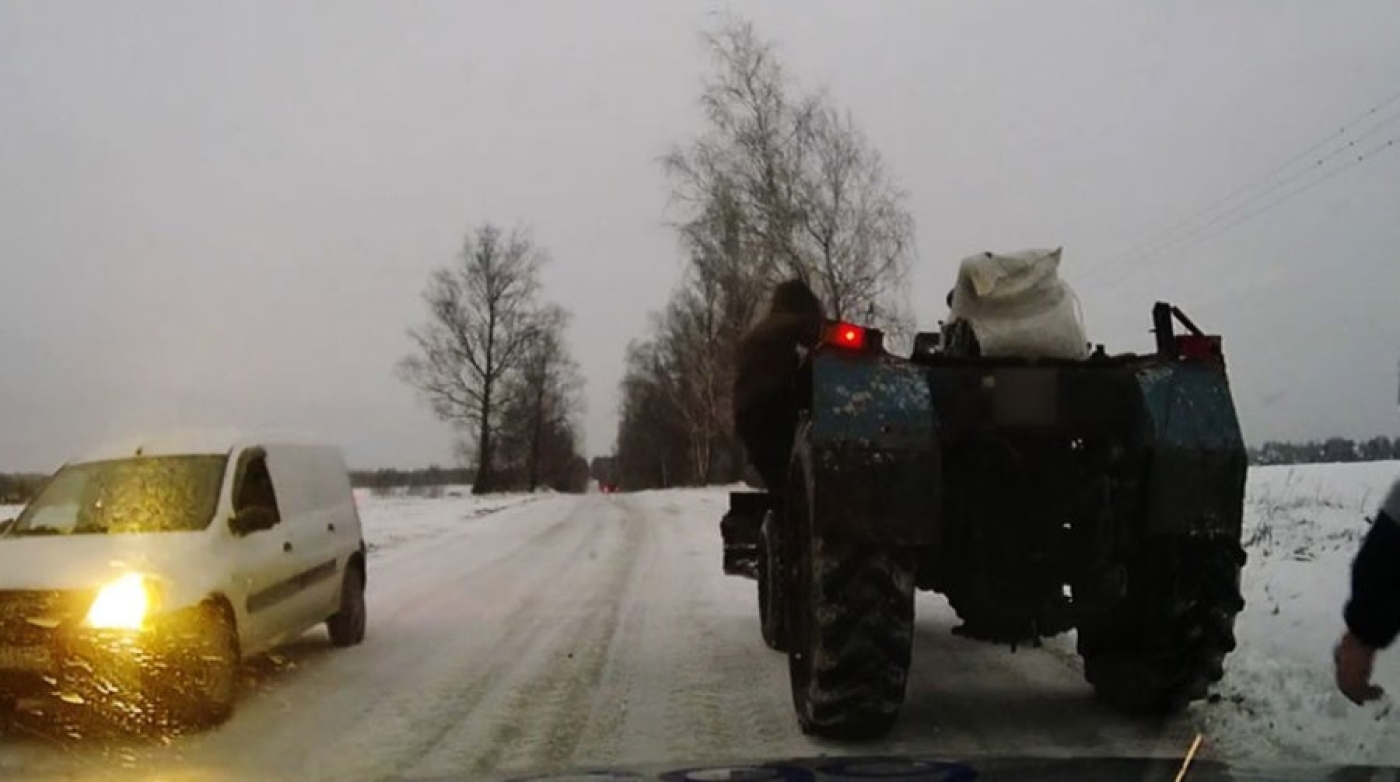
(145, 494)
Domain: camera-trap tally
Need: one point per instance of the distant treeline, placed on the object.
(401, 479)
(1330, 451)
(18, 488)
(570, 475)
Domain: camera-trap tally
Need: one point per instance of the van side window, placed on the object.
(256, 488)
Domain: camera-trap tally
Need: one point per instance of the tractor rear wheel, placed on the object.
(851, 620)
(1166, 643)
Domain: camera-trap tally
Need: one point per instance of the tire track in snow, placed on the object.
(699, 681)
(541, 561)
(544, 711)
(970, 698)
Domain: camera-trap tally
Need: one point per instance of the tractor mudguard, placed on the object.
(1196, 472)
(875, 460)
(740, 530)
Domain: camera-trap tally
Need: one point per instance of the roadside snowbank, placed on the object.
(390, 522)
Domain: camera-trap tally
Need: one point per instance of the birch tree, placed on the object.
(482, 315)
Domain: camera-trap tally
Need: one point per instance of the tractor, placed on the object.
(1101, 494)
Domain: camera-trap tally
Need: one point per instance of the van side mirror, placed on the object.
(254, 518)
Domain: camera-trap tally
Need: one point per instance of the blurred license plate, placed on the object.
(24, 658)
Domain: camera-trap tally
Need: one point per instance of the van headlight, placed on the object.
(123, 604)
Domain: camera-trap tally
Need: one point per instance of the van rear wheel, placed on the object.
(347, 626)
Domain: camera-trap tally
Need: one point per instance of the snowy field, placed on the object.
(395, 520)
(560, 631)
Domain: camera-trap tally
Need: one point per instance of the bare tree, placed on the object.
(691, 336)
(543, 378)
(854, 230)
(652, 448)
(482, 316)
(779, 185)
(542, 403)
(792, 187)
(677, 394)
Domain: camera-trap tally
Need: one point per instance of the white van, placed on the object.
(144, 571)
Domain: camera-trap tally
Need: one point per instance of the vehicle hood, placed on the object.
(90, 561)
(922, 767)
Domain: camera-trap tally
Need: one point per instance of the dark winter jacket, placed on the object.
(767, 355)
(1373, 613)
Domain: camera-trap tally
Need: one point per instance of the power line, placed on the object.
(1170, 232)
(1200, 238)
(1202, 234)
(1284, 166)
(1279, 185)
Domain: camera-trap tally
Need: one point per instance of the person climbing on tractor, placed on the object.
(765, 396)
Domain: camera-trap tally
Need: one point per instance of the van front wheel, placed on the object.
(347, 626)
(202, 692)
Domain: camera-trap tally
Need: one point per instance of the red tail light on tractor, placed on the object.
(849, 336)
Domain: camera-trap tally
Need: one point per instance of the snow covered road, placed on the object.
(573, 631)
(560, 631)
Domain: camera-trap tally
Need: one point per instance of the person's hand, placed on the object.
(1354, 660)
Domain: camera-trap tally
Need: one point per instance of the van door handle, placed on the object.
(287, 546)
(330, 528)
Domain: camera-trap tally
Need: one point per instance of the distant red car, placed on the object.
(607, 488)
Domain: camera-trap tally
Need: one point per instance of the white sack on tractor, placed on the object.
(1017, 305)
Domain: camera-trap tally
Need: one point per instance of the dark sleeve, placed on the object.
(1373, 613)
(809, 331)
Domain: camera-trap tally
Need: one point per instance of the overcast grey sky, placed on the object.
(225, 213)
